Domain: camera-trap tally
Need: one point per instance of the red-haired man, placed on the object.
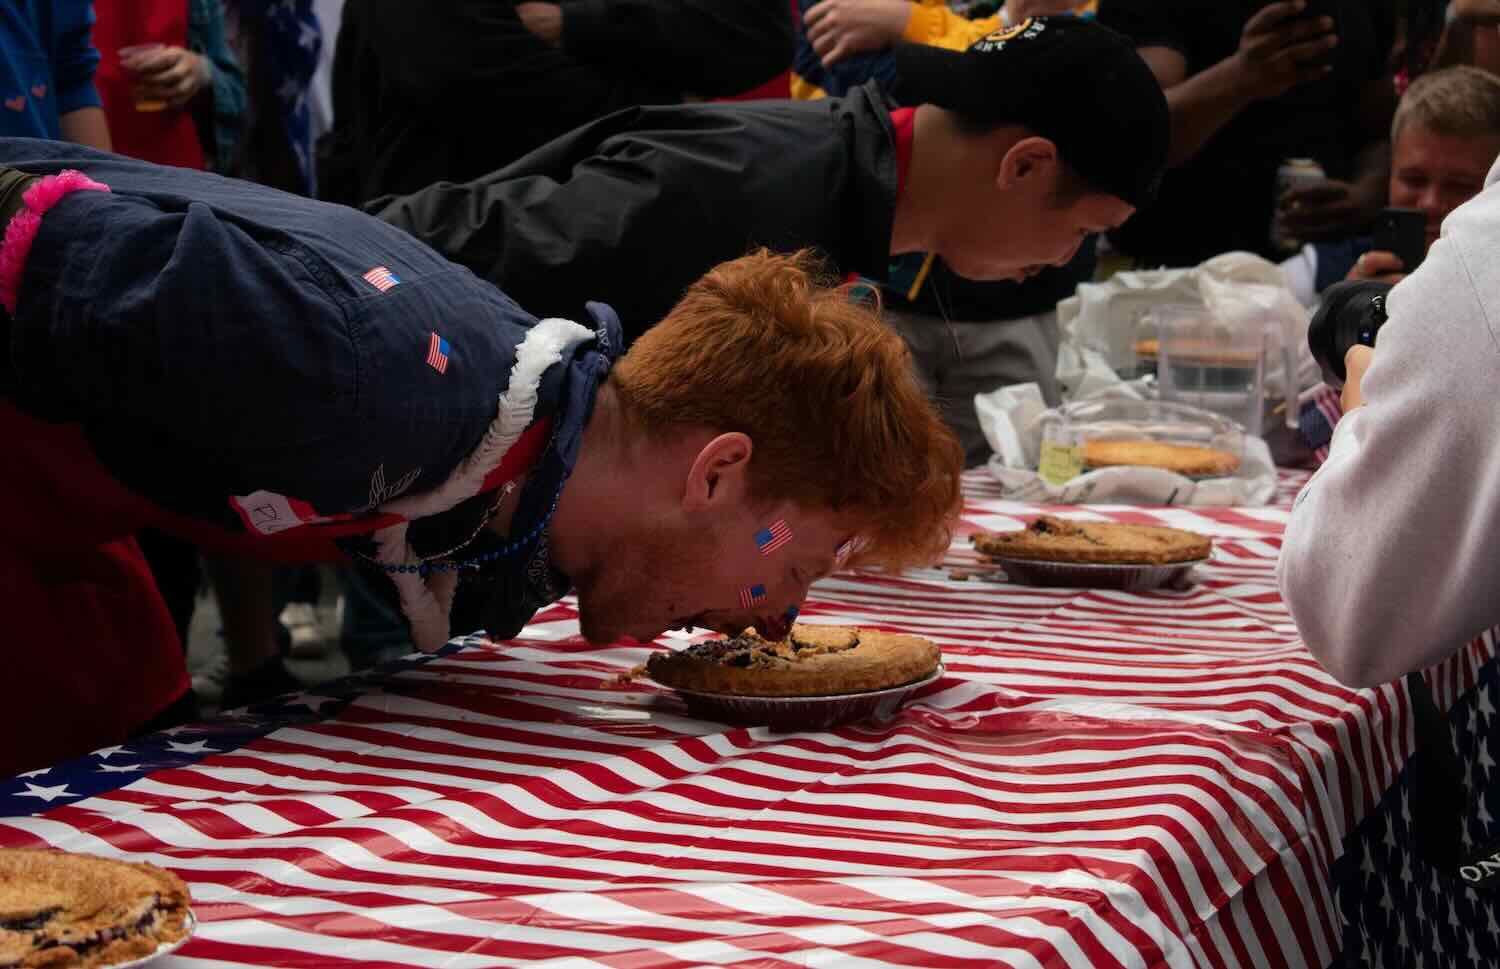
(264, 374)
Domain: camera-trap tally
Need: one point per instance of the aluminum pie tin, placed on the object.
(1093, 575)
(166, 948)
(793, 713)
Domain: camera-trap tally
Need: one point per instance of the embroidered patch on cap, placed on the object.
(381, 278)
(437, 354)
(773, 536)
(997, 39)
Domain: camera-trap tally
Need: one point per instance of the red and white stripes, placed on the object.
(1102, 780)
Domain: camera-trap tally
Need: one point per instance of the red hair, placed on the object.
(762, 345)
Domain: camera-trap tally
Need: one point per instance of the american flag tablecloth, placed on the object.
(1102, 779)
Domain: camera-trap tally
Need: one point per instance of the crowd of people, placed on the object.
(503, 301)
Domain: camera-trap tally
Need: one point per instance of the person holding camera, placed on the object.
(1389, 558)
(1388, 567)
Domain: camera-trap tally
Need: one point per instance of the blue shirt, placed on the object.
(47, 64)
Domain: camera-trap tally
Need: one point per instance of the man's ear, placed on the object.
(1031, 158)
(719, 474)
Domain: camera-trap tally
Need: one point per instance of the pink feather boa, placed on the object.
(21, 232)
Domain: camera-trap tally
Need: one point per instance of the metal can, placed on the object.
(1293, 173)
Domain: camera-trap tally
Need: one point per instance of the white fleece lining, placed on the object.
(544, 346)
(427, 603)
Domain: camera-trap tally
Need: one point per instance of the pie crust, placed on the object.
(811, 661)
(59, 909)
(1181, 458)
(1051, 539)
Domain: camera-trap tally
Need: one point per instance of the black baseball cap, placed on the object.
(1071, 80)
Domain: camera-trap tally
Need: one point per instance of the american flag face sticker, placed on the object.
(773, 536)
(792, 612)
(752, 595)
(437, 354)
(381, 278)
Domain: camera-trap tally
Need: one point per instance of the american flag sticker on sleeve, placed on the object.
(381, 278)
(437, 353)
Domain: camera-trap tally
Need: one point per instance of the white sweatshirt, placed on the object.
(1392, 558)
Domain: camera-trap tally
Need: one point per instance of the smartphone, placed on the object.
(1404, 232)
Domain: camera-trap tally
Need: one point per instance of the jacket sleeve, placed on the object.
(457, 53)
(933, 23)
(74, 57)
(711, 48)
(1389, 562)
(606, 220)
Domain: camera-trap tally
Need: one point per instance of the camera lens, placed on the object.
(1352, 313)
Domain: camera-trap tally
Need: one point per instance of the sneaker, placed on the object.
(313, 631)
(208, 683)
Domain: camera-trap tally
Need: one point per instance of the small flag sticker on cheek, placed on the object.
(752, 595)
(792, 612)
(773, 536)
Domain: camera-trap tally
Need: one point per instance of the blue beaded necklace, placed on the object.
(429, 565)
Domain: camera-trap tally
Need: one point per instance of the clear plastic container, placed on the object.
(1205, 363)
(1068, 430)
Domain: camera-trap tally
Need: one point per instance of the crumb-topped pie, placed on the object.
(1103, 543)
(811, 661)
(1184, 459)
(68, 910)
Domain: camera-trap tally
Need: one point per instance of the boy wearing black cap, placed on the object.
(1035, 137)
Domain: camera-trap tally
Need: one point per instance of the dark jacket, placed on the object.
(449, 91)
(633, 208)
(218, 340)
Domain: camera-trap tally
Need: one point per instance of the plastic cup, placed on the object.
(125, 53)
(1203, 362)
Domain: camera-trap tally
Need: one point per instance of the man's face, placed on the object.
(1438, 173)
(1016, 234)
(713, 575)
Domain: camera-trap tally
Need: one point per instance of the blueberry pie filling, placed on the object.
(66, 910)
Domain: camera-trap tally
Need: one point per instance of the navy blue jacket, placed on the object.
(217, 338)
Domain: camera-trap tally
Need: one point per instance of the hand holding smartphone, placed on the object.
(1404, 233)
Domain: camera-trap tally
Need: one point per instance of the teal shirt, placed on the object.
(206, 37)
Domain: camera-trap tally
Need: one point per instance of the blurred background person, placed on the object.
(1251, 85)
(1444, 139)
(47, 68)
(278, 44)
(171, 87)
(447, 92)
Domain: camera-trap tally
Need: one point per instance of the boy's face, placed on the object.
(1033, 223)
(1438, 173)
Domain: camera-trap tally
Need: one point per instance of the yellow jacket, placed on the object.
(933, 23)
